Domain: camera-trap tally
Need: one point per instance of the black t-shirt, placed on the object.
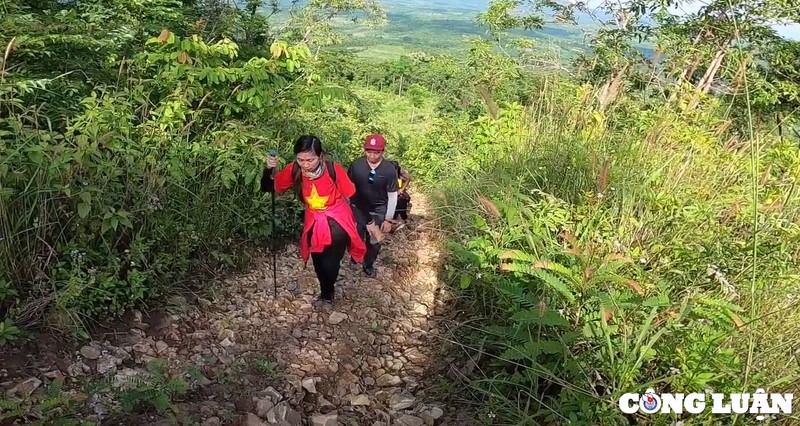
(372, 196)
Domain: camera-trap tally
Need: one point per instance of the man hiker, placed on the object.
(329, 227)
(376, 195)
(403, 197)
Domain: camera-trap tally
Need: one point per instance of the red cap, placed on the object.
(374, 142)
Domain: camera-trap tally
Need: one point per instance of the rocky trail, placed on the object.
(373, 358)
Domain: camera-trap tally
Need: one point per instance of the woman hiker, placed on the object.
(329, 225)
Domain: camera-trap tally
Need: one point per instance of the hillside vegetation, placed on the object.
(614, 223)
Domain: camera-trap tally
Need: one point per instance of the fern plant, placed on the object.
(156, 390)
(53, 406)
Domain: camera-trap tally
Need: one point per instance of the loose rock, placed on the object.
(386, 380)
(359, 400)
(325, 420)
(308, 384)
(408, 420)
(336, 318)
(25, 388)
(283, 413)
(90, 352)
(212, 421)
(107, 364)
(253, 420)
(401, 401)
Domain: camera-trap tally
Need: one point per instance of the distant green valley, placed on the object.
(442, 31)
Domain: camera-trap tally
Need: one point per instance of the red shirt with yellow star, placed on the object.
(324, 199)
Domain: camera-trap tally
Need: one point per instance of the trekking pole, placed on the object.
(274, 154)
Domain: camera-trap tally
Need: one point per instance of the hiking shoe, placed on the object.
(370, 271)
(323, 302)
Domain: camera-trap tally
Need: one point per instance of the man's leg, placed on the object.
(361, 227)
(372, 250)
(402, 209)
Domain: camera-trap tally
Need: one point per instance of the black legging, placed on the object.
(327, 263)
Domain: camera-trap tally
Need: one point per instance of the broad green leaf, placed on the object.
(465, 281)
(83, 210)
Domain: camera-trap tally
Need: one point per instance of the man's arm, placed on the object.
(406, 177)
(391, 189)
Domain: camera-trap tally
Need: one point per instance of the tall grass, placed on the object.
(611, 252)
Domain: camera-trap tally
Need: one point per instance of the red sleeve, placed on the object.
(343, 181)
(283, 179)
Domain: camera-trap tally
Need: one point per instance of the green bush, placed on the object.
(151, 177)
(606, 261)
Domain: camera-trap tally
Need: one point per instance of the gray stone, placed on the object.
(90, 352)
(336, 318)
(325, 420)
(401, 401)
(408, 420)
(284, 413)
(359, 400)
(388, 380)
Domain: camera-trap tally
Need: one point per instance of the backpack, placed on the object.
(396, 165)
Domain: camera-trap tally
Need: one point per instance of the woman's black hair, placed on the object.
(307, 143)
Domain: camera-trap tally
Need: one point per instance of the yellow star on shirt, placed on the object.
(314, 201)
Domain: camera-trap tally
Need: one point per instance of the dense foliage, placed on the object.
(120, 137)
(633, 224)
(615, 242)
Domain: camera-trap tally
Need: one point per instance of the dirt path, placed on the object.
(249, 358)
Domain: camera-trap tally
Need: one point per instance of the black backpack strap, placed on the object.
(331, 170)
